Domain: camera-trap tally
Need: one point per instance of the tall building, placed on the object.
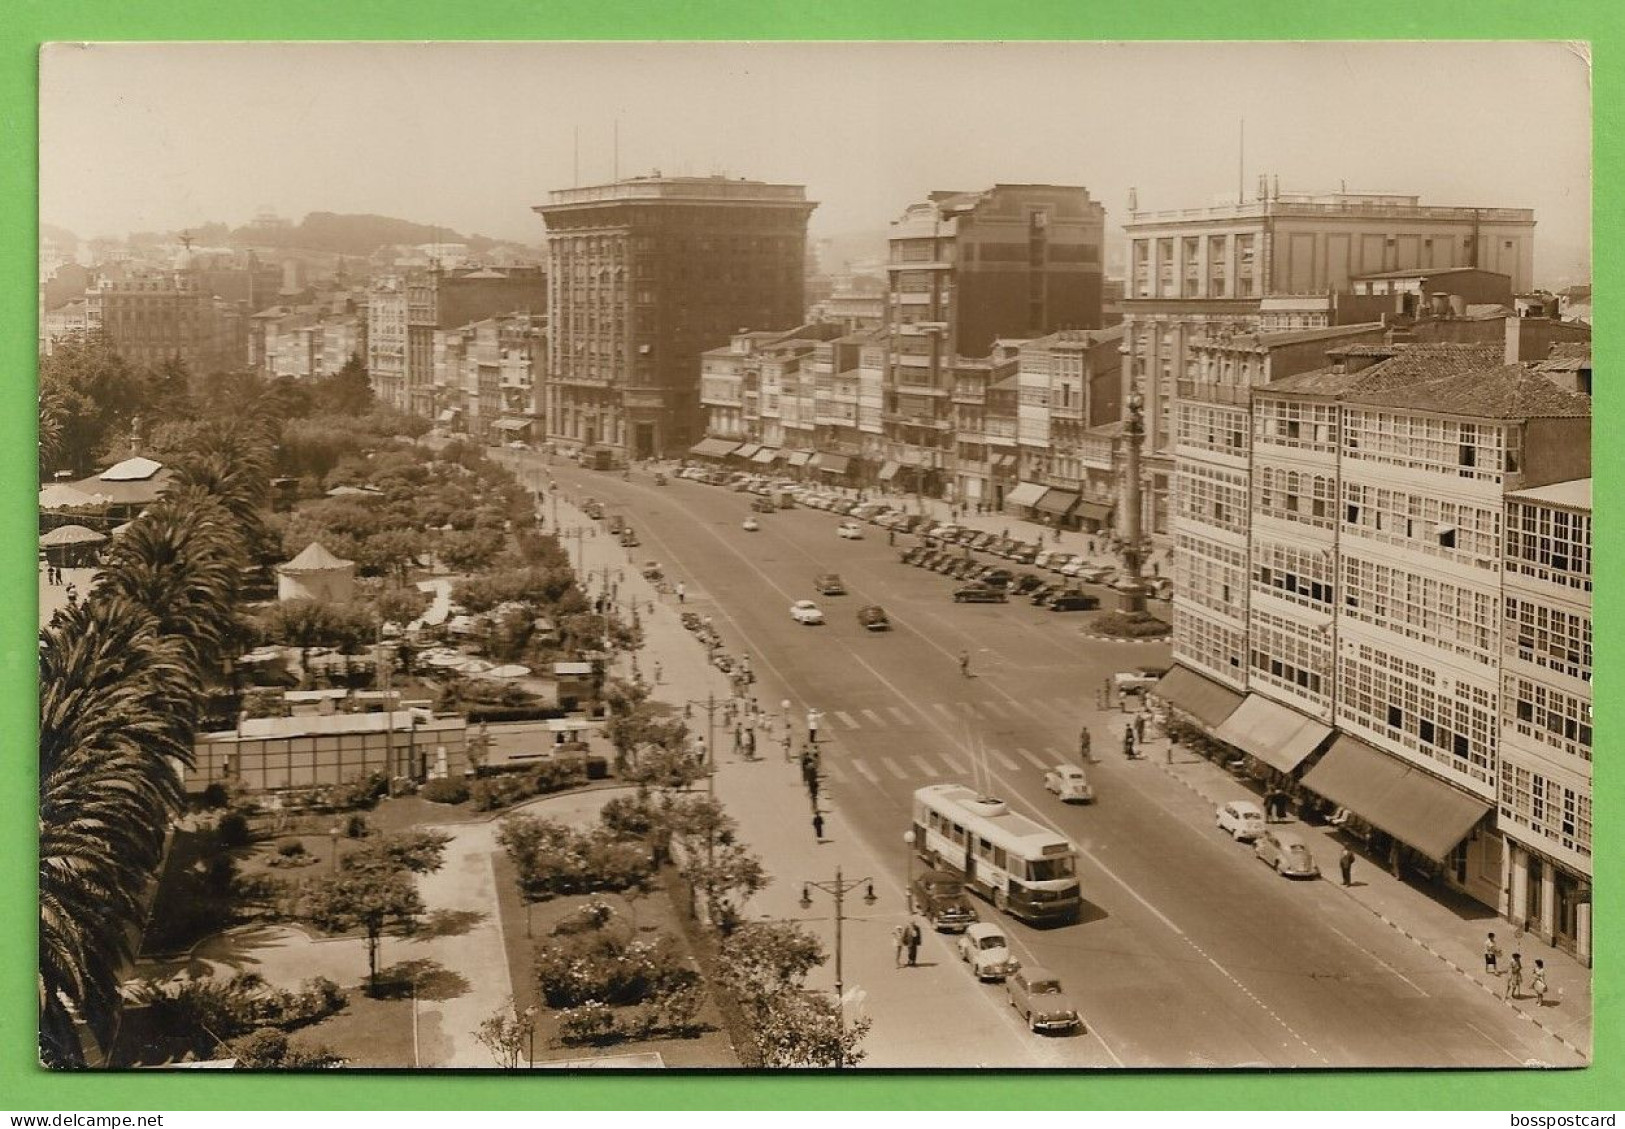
(648, 273)
(151, 316)
(1069, 383)
(1195, 273)
(965, 270)
(1545, 754)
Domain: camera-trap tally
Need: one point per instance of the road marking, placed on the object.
(1009, 764)
(864, 771)
(944, 711)
(832, 769)
(893, 768)
(1367, 951)
(997, 709)
(1494, 1042)
(846, 719)
(1032, 760)
(924, 766)
(873, 716)
(954, 766)
(898, 712)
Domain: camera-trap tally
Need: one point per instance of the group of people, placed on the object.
(1515, 973)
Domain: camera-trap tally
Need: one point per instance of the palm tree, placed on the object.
(117, 703)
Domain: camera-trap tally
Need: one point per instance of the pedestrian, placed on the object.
(1084, 742)
(891, 536)
(812, 788)
(1128, 741)
(897, 941)
(1492, 955)
(682, 592)
(1345, 863)
(1091, 546)
(911, 940)
(813, 718)
(964, 663)
(818, 826)
(660, 672)
(1537, 983)
(1139, 729)
(1057, 531)
(1514, 987)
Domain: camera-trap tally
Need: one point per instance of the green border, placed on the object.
(26, 23)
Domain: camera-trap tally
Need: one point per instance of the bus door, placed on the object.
(970, 859)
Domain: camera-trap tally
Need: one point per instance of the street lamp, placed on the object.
(530, 1032)
(838, 889)
(908, 891)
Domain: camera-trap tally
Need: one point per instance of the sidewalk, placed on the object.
(1443, 922)
(908, 1006)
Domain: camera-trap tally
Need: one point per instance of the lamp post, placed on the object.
(838, 889)
(1131, 589)
(530, 1033)
(908, 891)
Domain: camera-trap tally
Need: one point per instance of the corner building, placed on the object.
(646, 274)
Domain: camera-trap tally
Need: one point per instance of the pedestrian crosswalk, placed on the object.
(1067, 710)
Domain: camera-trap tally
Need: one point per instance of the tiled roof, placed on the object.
(1575, 494)
(1486, 311)
(1506, 392)
(1418, 272)
(1291, 336)
(1406, 364)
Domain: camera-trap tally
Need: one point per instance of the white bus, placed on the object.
(1022, 867)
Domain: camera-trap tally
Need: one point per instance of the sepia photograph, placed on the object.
(832, 556)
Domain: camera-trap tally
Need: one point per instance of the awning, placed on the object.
(1094, 511)
(1004, 460)
(834, 464)
(747, 451)
(765, 455)
(1057, 502)
(888, 470)
(512, 424)
(797, 458)
(713, 448)
(448, 414)
(1279, 737)
(1025, 494)
(1413, 806)
(1198, 695)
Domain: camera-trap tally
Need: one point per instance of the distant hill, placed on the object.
(356, 235)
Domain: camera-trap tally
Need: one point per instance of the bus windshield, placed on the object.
(1046, 870)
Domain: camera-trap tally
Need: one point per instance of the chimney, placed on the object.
(1275, 192)
(1133, 199)
(1263, 186)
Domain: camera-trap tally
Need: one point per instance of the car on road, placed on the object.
(1092, 574)
(629, 539)
(593, 509)
(873, 618)
(1043, 594)
(1069, 783)
(1058, 561)
(850, 530)
(1023, 552)
(750, 525)
(998, 577)
(829, 584)
(1243, 819)
(986, 949)
(1135, 681)
(763, 506)
(1039, 999)
(806, 613)
(939, 897)
(1287, 853)
(979, 594)
(1074, 602)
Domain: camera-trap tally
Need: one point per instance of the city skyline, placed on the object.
(1110, 117)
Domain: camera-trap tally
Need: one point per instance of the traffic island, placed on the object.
(1127, 627)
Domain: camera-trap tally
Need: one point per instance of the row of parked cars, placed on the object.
(985, 582)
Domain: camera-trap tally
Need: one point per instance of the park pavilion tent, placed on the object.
(61, 496)
(316, 574)
(65, 535)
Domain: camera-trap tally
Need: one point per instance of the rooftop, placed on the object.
(1421, 272)
(1506, 392)
(312, 725)
(699, 189)
(1404, 365)
(1574, 494)
(1286, 337)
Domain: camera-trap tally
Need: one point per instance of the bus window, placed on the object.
(1045, 870)
(958, 834)
(933, 821)
(984, 849)
(999, 858)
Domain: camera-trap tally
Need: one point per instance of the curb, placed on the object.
(1118, 639)
(1414, 939)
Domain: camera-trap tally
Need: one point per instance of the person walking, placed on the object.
(1128, 741)
(818, 826)
(1139, 729)
(1085, 740)
(660, 673)
(813, 718)
(1514, 987)
(1492, 955)
(1537, 983)
(911, 941)
(1345, 863)
(898, 943)
(682, 592)
(964, 663)
(812, 787)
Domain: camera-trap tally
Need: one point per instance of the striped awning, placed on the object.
(1056, 502)
(1280, 737)
(888, 470)
(1025, 494)
(1413, 806)
(797, 458)
(713, 448)
(834, 464)
(765, 455)
(513, 424)
(747, 451)
(1198, 695)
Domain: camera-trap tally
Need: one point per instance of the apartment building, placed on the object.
(1197, 273)
(649, 273)
(1544, 771)
(485, 378)
(1068, 382)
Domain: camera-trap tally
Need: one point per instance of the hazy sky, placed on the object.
(165, 136)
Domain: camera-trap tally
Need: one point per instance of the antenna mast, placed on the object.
(1241, 165)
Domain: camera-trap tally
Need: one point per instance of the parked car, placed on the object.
(1058, 561)
(939, 897)
(1069, 783)
(1160, 588)
(911, 555)
(806, 613)
(593, 509)
(986, 949)
(1134, 681)
(998, 577)
(763, 506)
(629, 539)
(1094, 574)
(1243, 819)
(1042, 594)
(829, 584)
(750, 525)
(1073, 602)
(979, 594)
(873, 618)
(946, 562)
(1287, 853)
(1039, 999)
(1024, 584)
(982, 540)
(850, 530)
(964, 568)
(1023, 552)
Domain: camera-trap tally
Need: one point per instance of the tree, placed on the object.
(763, 957)
(639, 732)
(347, 392)
(508, 1033)
(470, 551)
(401, 604)
(166, 390)
(730, 875)
(800, 1028)
(368, 898)
(391, 552)
(271, 1049)
(416, 852)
